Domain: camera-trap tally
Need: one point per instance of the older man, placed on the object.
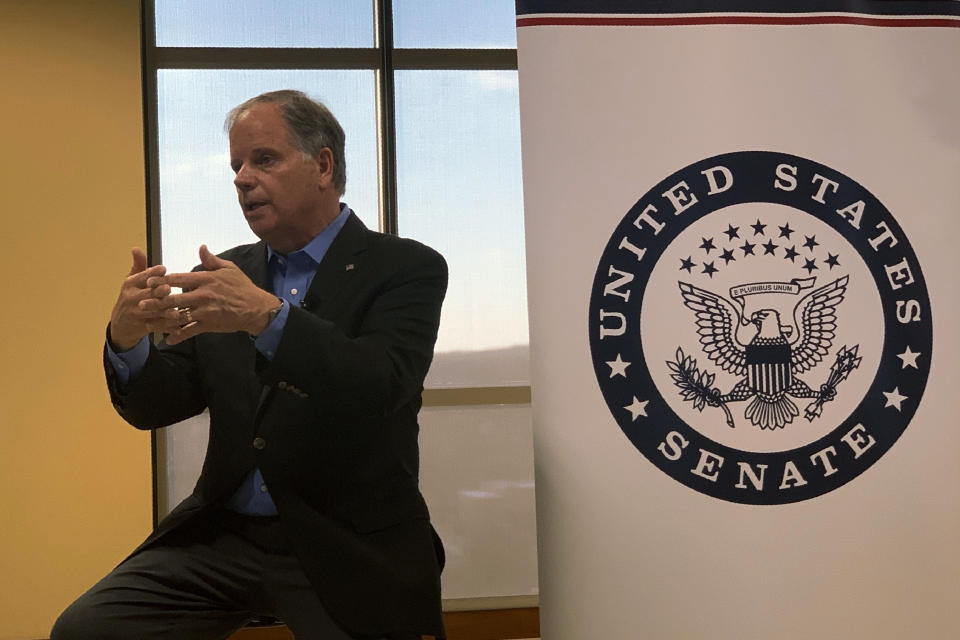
(309, 349)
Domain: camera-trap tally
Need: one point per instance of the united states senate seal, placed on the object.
(760, 327)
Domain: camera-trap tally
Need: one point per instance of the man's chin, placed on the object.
(269, 233)
(263, 232)
(259, 223)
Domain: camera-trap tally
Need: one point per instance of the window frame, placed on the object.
(384, 60)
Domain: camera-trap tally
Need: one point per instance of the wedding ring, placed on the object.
(186, 318)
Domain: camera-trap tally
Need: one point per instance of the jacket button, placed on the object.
(259, 443)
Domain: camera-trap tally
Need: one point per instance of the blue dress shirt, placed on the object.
(290, 277)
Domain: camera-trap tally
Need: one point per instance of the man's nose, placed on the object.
(244, 180)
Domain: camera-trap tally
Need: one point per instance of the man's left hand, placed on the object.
(221, 299)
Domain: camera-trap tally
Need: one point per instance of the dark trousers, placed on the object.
(202, 582)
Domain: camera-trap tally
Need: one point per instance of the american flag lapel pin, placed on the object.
(350, 267)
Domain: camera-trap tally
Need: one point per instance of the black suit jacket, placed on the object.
(334, 415)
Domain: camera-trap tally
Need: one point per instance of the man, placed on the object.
(309, 349)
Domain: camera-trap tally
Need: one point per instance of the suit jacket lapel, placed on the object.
(340, 264)
(252, 260)
(254, 265)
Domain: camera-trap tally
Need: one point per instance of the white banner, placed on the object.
(741, 219)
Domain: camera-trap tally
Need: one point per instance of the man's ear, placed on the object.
(324, 161)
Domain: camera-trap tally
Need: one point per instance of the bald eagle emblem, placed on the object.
(766, 351)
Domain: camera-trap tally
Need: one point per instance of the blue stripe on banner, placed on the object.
(655, 7)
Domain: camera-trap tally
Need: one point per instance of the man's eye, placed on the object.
(265, 160)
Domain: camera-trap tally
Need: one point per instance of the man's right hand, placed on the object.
(128, 322)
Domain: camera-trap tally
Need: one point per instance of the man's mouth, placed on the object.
(252, 206)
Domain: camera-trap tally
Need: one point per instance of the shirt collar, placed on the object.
(317, 248)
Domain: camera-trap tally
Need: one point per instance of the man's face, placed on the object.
(281, 192)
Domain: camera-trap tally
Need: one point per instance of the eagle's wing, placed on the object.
(817, 324)
(717, 320)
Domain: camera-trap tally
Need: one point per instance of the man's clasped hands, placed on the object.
(219, 299)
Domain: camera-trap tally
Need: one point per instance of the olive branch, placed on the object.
(846, 361)
(696, 386)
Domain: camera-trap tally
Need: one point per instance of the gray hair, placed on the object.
(311, 125)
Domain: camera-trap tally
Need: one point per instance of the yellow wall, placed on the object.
(74, 479)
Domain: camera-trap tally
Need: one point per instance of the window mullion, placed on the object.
(148, 49)
(386, 118)
(266, 58)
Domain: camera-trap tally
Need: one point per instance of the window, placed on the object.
(427, 94)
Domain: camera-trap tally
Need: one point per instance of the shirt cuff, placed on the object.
(129, 364)
(269, 340)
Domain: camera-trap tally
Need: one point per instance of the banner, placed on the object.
(741, 220)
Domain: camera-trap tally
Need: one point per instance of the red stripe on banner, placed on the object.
(675, 21)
